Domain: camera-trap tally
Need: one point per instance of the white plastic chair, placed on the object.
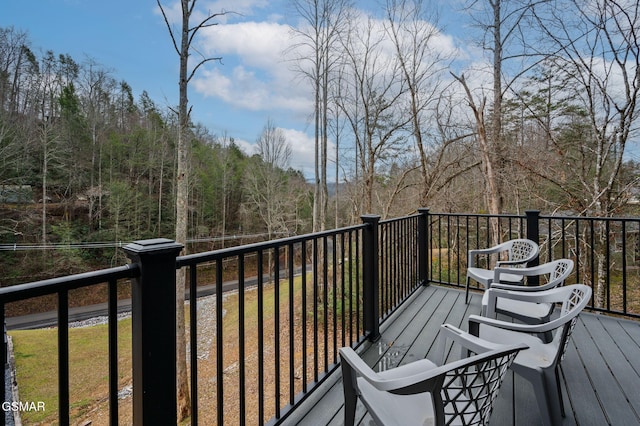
(540, 363)
(519, 252)
(556, 272)
(421, 392)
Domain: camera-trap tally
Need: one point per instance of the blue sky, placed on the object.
(237, 97)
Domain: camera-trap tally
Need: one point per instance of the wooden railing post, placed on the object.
(153, 317)
(370, 277)
(423, 246)
(533, 234)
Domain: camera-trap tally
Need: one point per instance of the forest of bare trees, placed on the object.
(547, 120)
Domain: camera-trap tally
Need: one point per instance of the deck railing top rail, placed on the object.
(69, 282)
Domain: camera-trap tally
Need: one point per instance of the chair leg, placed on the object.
(557, 369)
(546, 392)
(350, 396)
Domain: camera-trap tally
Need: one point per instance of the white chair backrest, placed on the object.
(562, 268)
(523, 250)
(576, 299)
(470, 387)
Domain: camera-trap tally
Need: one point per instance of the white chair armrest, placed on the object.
(471, 260)
(510, 262)
(490, 250)
(525, 272)
(525, 288)
(551, 295)
(412, 382)
(476, 320)
(397, 380)
(512, 287)
(466, 340)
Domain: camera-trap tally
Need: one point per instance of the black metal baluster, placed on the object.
(63, 357)
(291, 326)
(5, 396)
(315, 309)
(358, 285)
(112, 308)
(342, 284)
(334, 284)
(241, 343)
(219, 345)
(607, 255)
(325, 303)
(276, 337)
(303, 256)
(260, 261)
(193, 340)
(351, 258)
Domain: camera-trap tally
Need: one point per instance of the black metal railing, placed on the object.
(606, 250)
(266, 329)
(61, 288)
(298, 300)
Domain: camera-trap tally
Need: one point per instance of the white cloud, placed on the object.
(302, 150)
(246, 147)
(253, 74)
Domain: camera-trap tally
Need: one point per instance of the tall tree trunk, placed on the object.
(489, 168)
(182, 197)
(182, 47)
(45, 171)
(496, 148)
(317, 187)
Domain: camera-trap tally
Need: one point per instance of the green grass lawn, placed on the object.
(36, 354)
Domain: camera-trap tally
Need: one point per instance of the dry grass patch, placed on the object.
(36, 357)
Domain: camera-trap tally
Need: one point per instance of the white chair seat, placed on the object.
(485, 276)
(539, 354)
(417, 408)
(519, 252)
(554, 273)
(518, 308)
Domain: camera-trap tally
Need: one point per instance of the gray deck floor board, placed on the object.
(600, 373)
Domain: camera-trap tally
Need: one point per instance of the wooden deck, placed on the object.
(600, 373)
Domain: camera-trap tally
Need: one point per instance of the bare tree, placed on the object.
(183, 45)
(422, 62)
(49, 113)
(597, 56)
(267, 185)
(316, 57)
(98, 86)
(501, 23)
(371, 103)
(15, 59)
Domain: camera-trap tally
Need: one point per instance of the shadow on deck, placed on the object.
(600, 373)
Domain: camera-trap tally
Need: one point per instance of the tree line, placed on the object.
(100, 165)
(546, 120)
